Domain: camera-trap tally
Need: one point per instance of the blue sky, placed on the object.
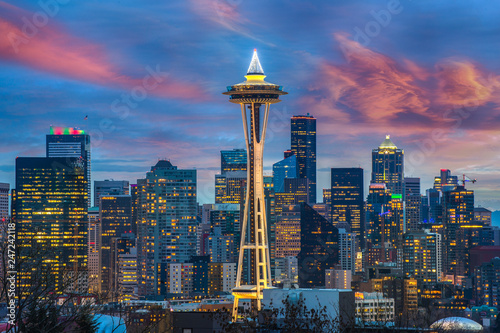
(425, 72)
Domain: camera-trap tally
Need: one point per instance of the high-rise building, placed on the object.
(288, 232)
(135, 204)
(396, 228)
(377, 209)
(413, 203)
(422, 257)
(285, 271)
(482, 216)
(73, 143)
(255, 97)
(338, 279)
(487, 280)
(319, 247)
(445, 181)
(233, 160)
(230, 187)
(303, 145)
(180, 278)
(220, 247)
(432, 209)
(166, 230)
(458, 217)
(388, 166)
(94, 248)
(221, 277)
(115, 215)
(347, 199)
(4, 202)
(109, 187)
(347, 245)
(223, 240)
(49, 209)
(127, 275)
(200, 274)
(286, 168)
(296, 192)
(404, 291)
(327, 196)
(374, 307)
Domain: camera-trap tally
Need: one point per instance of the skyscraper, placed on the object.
(303, 145)
(286, 168)
(319, 248)
(251, 95)
(288, 232)
(445, 181)
(413, 203)
(233, 160)
(166, 230)
(230, 187)
(49, 209)
(94, 249)
(458, 217)
(347, 246)
(4, 201)
(388, 166)
(71, 142)
(115, 215)
(422, 257)
(109, 187)
(377, 209)
(347, 200)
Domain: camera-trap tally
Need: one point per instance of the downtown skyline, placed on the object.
(411, 88)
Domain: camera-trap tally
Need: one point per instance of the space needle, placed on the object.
(255, 97)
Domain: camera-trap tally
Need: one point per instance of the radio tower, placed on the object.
(255, 97)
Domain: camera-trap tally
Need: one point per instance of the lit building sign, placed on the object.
(65, 131)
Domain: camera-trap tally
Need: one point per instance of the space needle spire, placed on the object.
(255, 97)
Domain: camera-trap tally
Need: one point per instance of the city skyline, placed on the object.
(422, 86)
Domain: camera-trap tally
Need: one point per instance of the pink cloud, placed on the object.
(47, 48)
(462, 83)
(377, 92)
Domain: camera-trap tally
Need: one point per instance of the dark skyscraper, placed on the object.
(388, 166)
(71, 142)
(377, 207)
(50, 212)
(303, 145)
(233, 160)
(347, 200)
(319, 247)
(116, 219)
(413, 203)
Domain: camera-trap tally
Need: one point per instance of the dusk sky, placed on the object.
(425, 72)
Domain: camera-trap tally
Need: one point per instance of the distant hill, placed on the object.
(495, 218)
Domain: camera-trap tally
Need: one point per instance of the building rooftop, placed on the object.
(387, 143)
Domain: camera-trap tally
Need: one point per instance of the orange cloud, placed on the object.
(51, 50)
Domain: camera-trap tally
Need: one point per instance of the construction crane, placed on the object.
(465, 179)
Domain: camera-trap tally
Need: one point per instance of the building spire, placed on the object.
(255, 68)
(388, 143)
